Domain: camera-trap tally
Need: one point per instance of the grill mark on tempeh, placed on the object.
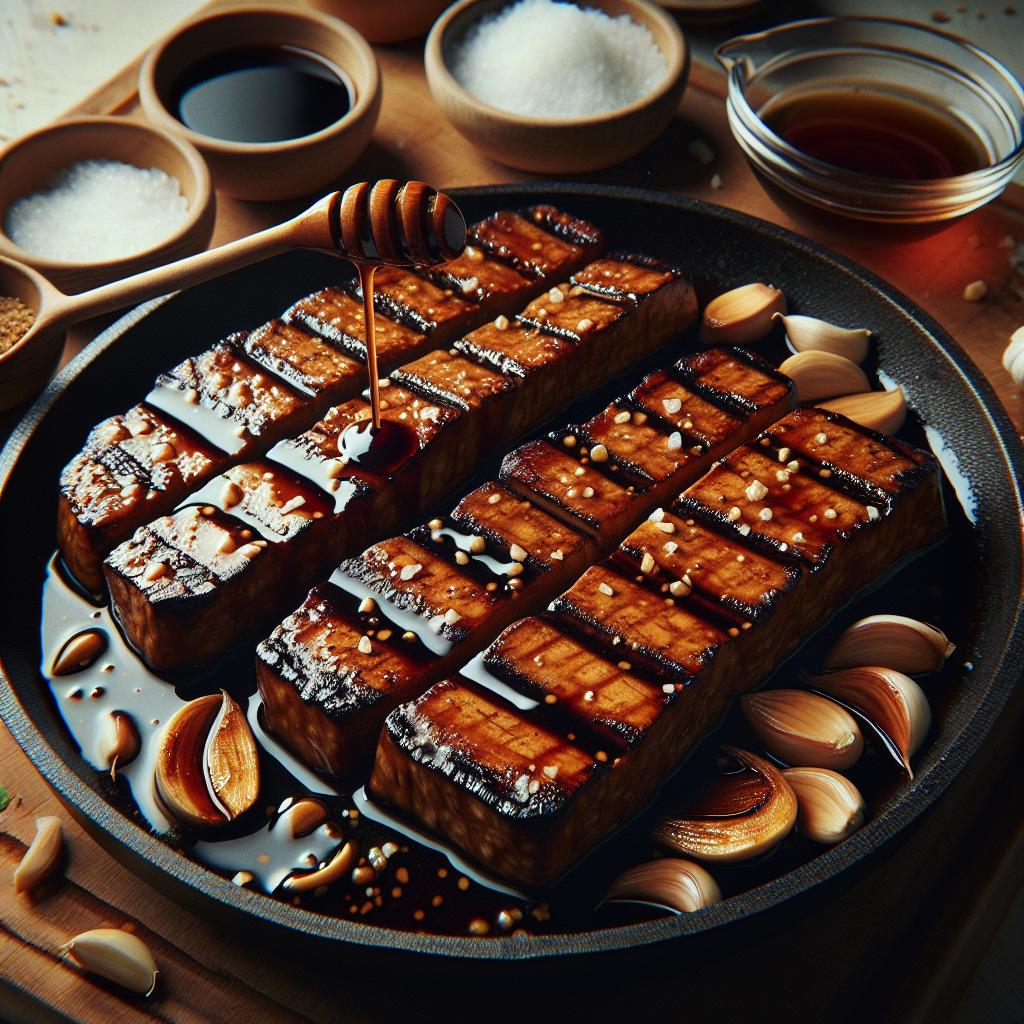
(788, 594)
(498, 519)
(332, 315)
(437, 468)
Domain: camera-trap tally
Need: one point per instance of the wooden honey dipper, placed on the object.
(389, 222)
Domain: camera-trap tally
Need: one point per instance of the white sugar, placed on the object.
(554, 60)
(98, 210)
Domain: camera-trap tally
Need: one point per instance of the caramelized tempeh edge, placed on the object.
(236, 399)
(411, 609)
(177, 589)
(570, 722)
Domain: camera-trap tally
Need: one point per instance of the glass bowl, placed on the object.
(901, 60)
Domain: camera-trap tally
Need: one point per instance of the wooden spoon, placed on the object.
(389, 222)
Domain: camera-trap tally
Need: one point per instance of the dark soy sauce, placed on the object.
(262, 94)
(378, 450)
(878, 134)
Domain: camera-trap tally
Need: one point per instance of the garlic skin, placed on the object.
(884, 411)
(742, 315)
(727, 831)
(822, 375)
(672, 882)
(830, 805)
(898, 642)
(804, 729)
(890, 700)
(1013, 357)
(808, 333)
(43, 857)
(116, 955)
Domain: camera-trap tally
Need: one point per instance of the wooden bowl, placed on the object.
(28, 163)
(403, 19)
(268, 170)
(557, 145)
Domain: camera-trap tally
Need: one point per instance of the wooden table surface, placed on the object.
(901, 941)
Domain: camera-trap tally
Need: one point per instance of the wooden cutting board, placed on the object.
(913, 926)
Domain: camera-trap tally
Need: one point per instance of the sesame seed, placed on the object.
(621, 417)
(670, 546)
(588, 696)
(824, 473)
(501, 323)
(734, 513)
(557, 555)
(556, 295)
(782, 475)
(599, 453)
(451, 617)
(821, 438)
(765, 514)
(550, 770)
(798, 537)
(677, 588)
(873, 513)
(571, 493)
(657, 515)
(477, 545)
(830, 513)
(408, 571)
(755, 490)
(646, 563)
(665, 527)
(784, 454)
(588, 492)
(584, 325)
(569, 440)
(365, 647)
(744, 529)
(461, 558)
(668, 688)
(605, 589)
(672, 405)
(494, 499)
(675, 441)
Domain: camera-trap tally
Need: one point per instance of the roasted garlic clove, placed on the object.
(79, 652)
(207, 764)
(43, 856)
(674, 883)
(804, 729)
(895, 641)
(116, 955)
(742, 315)
(884, 411)
(305, 816)
(334, 870)
(741, 816)
(890, 700)
(808, 333)
(121, 742)
(821, 375)
(830, 805)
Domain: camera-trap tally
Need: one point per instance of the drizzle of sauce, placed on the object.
(378, 450)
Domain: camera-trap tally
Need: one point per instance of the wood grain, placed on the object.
(912, 926)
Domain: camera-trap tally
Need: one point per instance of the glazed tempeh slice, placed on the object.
(288, 374)
(428, 389)
(500, 555)
(698, 605)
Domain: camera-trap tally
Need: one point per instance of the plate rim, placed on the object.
(100, 816)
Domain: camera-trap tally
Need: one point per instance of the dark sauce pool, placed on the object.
(261, 94)
(418, 888)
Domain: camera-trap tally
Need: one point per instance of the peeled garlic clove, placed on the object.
(819, 375)
(830, 805)
(742, 315)
(890, 700)
(807, 333)
(717, 833)
(121, 743)
(895, 641)
(804, 729)
(232, 760)
(43, 857)
(116, 955)
(884, 411)
(305, 816)
(207, 765)
(674, 883)
(334, 870)
(79, 652)
(1013, 357)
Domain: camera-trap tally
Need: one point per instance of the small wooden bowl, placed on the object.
(403, 19)
(268, 170)
(27, 164)
(558, 145)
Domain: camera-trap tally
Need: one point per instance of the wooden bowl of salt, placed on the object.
(557, 88)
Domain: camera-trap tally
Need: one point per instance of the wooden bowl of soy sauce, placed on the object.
(280, 102)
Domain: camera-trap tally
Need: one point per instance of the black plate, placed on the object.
(718, 249)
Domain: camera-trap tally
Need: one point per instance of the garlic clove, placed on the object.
(43, 856)
(305, 816)
(207, 764)
(830, 805)
(79, 652)
(116, 955)
(890, 700)
(673, 883)
(334, 870)
(822, 375)
(741, 315)
(1013, 357)
(895, 641)
(804, 729)
(884, 411)
(713, 831)
(120, 743)
(233, 760)
(808, 333)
